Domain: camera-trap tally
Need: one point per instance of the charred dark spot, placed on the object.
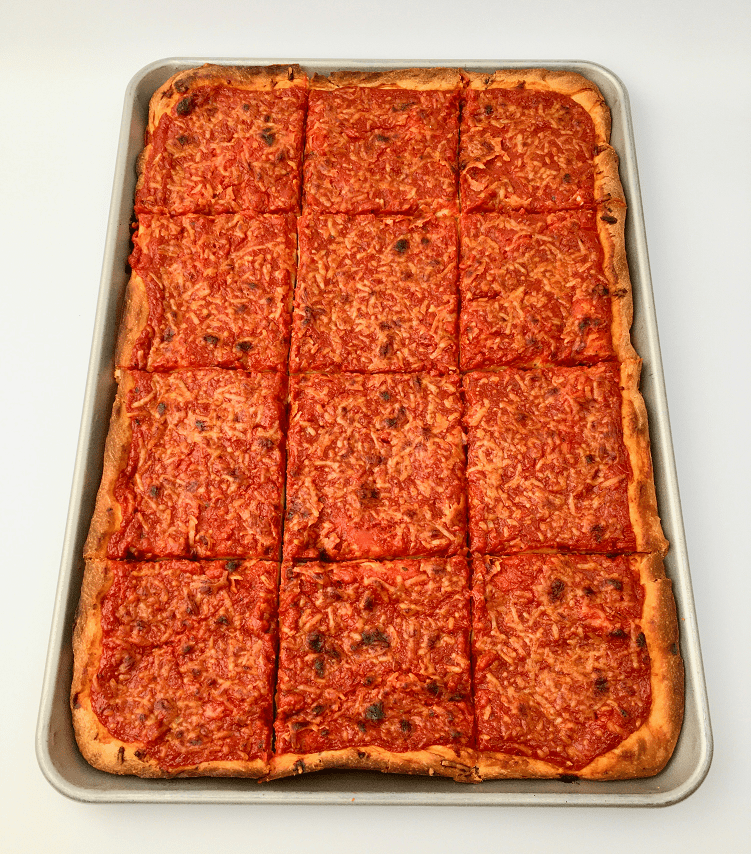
(615, 583)
(232, 565)
(324, 732)
(417, 381)
(521, 417)
(368, 493)
(405, 726)
(433, 688)
(568, 778)
(367, 681)
(566, 178)
(425, 241)
(181, 86)
(488, 110)
(674, 649)
(76, 704)
(161, 408)
(368, 604)
(246, 107)
(585, 324)
(187, 648)
(375, 712)
(456, 698)
(386, 349)
(161, 705)
(552, 392)
(384, 395)
(315, 641)
(405, 105)
(375, 636)
(222, 620)
(298, 725)
(392, 422)
(601, 685)
(556, 590)
(384, 324)
(589, 459)
(623, 712)
(202, 425)
(455, 735)
(268, 136)
(168, 335)
(184, 106)
(319, 665)
(299, 766)
(183, 140)
(361, 726)
(317, 710)
(121, 755)
(265, 443)
(323, 555)
(598, 532)
(611, 220)
(618, 633)
(381, 138)
(401, 246)
(211, 339)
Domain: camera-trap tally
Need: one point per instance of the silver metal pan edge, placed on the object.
(56, 748)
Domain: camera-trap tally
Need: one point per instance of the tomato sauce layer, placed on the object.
(375, 293)
(525, 149)
(533, 290)
(225, 150)
(374, 654)
(375, 467)
(389, 150)
(204, 475)
(219, 291)
(561, 666)
(188, 659)
(547, 467)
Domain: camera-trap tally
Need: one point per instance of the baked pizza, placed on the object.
(375, 293)
(209, 292)
(174, 667)
(440, 376)
(576, 666)
(193, 467)
(374, 668)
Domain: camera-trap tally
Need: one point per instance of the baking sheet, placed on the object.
(56, 748)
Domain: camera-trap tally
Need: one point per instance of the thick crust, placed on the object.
(108, 516)
(432, 761)
(134, 321)
(417, 79)
(647, 750)
(569, 83)
(645, 518)
(98, 747)
(250, 78)
(611, 219)
(608, 188)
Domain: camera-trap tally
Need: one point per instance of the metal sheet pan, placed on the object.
(56, 748)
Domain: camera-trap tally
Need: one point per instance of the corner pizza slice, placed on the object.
(374, 668)
(375, 467)
(209, 292)
(174, 667)
(376, 293)
(383, 142)
(559, 460)
(538, 140)
(193, 467)
(577, 670)
(224, 139)
(544, 289)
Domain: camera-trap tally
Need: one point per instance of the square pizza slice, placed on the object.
(544, 288)
(577, 669)
(383, 142)
(559, 460)
(209, 292)
(375, 467)
(174, 667)
(374, 668)
(193, 467)
(535, 139)
(224, 139)
(376, 293)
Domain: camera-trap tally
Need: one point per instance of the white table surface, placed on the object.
(65, 68)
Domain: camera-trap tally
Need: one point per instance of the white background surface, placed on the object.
(65, 67)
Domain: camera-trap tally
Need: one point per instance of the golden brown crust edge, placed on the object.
(647, 750)
(134, 320)
(98, 747)
(577, 87)
(107, 516)
(416, 79)
(436, 761)
(611, 219)
(645, 518)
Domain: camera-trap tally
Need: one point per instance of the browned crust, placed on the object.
(642, 499)
(647, 750)
(98, 747)
(577, 87)
(607, 181)
(611, 220)
(134, 321)
(249, 78)
(435, 761)
(108, 516)
(417, 79)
